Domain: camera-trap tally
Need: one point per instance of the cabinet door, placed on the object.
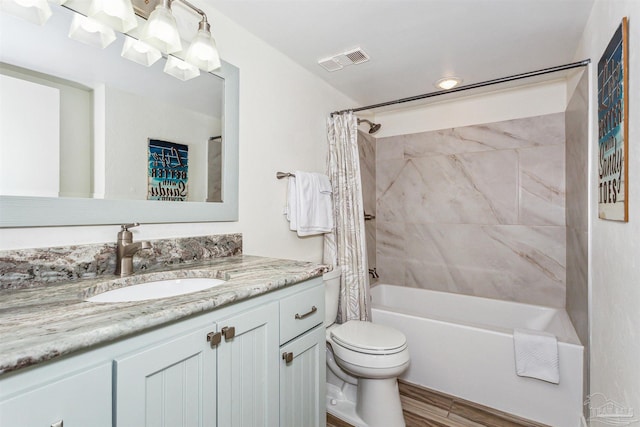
(168, 385)
(302, 380)
(248, 369)
(79, 400)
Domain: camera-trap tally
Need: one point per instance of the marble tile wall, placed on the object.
(367, 155)
(25, 268)
(577, 183)
(478, 210)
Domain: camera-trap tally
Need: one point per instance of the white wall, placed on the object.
(30, 162)
(508, 104)
(615, 247)
(127, 144)
(76, 132)
(283, 109)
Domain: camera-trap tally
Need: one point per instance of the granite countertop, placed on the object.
(42, 323)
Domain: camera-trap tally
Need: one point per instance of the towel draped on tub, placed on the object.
(536, 355)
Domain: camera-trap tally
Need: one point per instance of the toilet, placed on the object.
(368, 357)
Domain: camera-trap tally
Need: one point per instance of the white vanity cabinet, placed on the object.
(220, 368)
(77, 399)
(221, 374)
(302, 360)
(248, 369)
(169, 384)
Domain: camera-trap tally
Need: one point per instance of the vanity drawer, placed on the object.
(301, 312)
(78, 400)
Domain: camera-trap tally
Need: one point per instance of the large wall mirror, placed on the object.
(79, 125)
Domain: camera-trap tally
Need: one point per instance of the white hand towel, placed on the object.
(292, 204)
(536, 355)
(314, 204)
(324, 185)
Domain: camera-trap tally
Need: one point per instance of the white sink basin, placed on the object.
(156, 289)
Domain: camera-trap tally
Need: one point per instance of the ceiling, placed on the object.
(413, 43)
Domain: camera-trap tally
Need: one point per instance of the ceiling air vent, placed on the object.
(330, 64)
(344, 59)
(357, 56)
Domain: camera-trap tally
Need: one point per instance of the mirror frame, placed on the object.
(18, 211)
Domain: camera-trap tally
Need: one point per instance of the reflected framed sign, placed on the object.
(168, 170)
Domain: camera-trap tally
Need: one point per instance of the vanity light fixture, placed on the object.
(140, 52)
(117, 14)
(90, 31)
(203, 52)
(36, 11)
(180, 69)
(161, 30)
(448, 83)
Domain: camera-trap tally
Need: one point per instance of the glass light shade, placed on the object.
(36, 11)
(203, 52)
(90, 31)
(180, 69)
(161, 31)
(140, 52)
(117, 14)
(60, 2)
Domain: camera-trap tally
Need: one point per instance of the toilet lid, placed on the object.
(366, 337)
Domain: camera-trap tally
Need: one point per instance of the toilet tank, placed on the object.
(331, 295)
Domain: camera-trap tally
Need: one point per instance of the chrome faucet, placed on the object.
(126, 249)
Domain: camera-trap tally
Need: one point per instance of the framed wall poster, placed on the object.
(613, 127)
(168, 166)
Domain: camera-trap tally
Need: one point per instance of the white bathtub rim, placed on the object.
(571, 339)
(467, 296)
(467, 325)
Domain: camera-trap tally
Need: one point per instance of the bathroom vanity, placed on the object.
(248, 352)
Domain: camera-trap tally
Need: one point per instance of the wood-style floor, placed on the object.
(428, 408)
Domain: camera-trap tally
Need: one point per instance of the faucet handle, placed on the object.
(126, 227)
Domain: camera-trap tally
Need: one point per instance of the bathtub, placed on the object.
(463, 346)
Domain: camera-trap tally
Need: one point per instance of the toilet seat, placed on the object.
(369, 338)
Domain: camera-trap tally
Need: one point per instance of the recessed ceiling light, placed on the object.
(448, 83)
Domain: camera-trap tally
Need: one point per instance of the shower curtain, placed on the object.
(346, 245)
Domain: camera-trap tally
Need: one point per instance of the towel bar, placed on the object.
(281, 175)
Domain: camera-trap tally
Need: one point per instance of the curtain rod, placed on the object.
(549, 70)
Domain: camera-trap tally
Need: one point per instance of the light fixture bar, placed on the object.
(191, 6)
(143, 8)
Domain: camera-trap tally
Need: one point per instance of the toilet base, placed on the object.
(378, 402)
(370, 403)
(341, 403)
